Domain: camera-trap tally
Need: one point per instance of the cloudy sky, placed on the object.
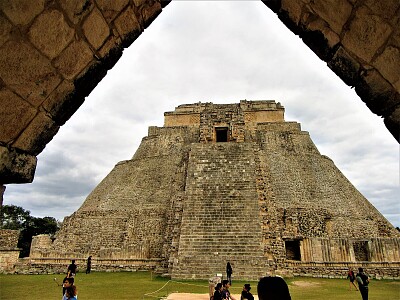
(219, 52)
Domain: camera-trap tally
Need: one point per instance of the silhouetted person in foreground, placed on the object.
(273, 288)
(218, 292)
(363, 281)
(246, 295)
(89, 264)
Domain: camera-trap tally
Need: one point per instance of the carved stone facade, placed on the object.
(226, 182)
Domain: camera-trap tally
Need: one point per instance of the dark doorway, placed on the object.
(221, 134)
(293, 250)
(361, 250)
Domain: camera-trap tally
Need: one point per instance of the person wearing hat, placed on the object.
(246, 295)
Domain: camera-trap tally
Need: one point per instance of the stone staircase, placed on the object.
(219, 223)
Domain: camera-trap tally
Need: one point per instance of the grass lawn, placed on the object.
(127, 285)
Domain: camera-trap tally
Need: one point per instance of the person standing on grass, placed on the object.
(71, 271)
(229, 272)
(363, 282)
(351, 277)
(70, 290)
(89, 264)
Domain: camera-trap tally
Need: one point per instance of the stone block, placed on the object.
(22, 12)
(96, 29)
(5, 29)
(27, 72)
(110, 9)
(128, 26)
(385, 9)
(293, 8)
(345, 66)
(63, 102)
(149, 12)
(336, 18)
(377, 93)
(388, 64)
(69, 64)
(367, 33)
(50, 33)
(392, 123)
(16, 167)
(38, 133)
(15, 114)
(76, 10)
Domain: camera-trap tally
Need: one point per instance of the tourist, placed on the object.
(71, 271)
(229, 272)
(351, 277)
(70, 290)
(70, 280)
(226, 294)
(273, 288)
(89, 264)
(218, 292)
(363, 281)
(246, 295)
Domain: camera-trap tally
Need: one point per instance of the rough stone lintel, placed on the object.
(16, 167)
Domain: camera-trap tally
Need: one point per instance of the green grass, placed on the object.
(127, 285)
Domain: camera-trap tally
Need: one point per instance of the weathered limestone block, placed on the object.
(388, 64)
(69, 64)
(128, 26)
(59, 33)
(27, 72)
(367, 34)
(22, 12)
(110, 9)
(77, 10)
(96, 29)
(38, 133)
(336, 18)
(15, 115)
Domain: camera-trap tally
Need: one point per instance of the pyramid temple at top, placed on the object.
(226, 182)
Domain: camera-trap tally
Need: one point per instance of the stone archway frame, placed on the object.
(43, 80)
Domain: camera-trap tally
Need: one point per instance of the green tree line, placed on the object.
(16, 218)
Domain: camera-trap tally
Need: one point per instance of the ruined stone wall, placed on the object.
(9, 252)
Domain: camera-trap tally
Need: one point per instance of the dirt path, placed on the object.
(187, 296)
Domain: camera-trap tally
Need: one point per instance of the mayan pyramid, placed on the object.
(227, 182)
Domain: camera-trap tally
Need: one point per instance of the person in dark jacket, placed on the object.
(363, 282)
(89, 265)
(71, 271)
(229, 272)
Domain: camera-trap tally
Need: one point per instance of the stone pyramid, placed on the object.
(227, 182)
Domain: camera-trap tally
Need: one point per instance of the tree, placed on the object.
(13, 217)
(17, 218)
